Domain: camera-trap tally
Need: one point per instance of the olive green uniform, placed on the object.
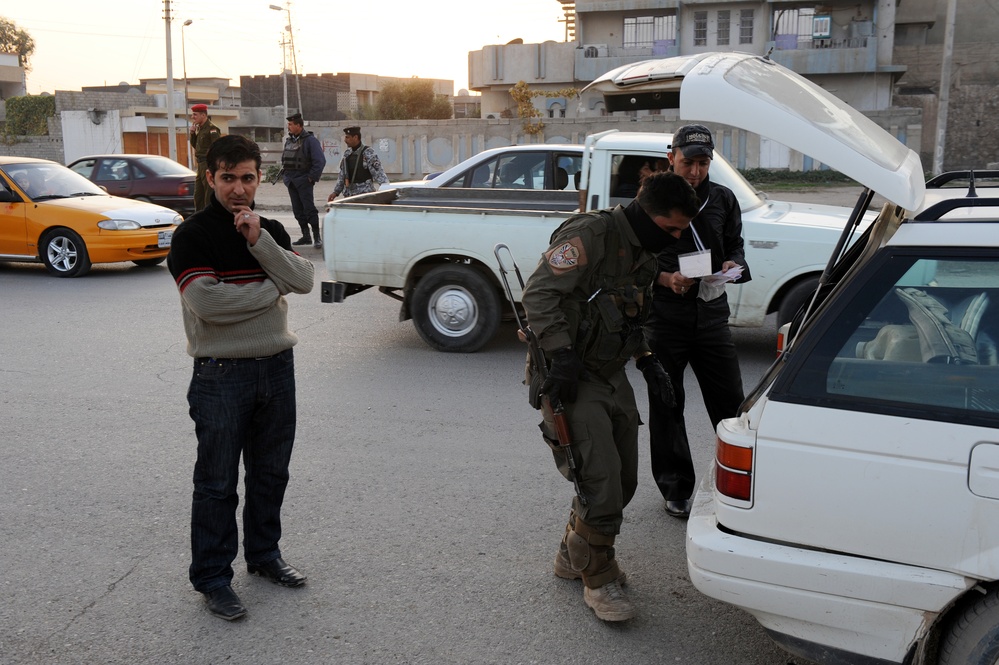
(201, 141)
(591, 290)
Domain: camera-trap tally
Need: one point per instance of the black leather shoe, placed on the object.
(679, 508)
(277, 571)
(304, 240)
(225, 604)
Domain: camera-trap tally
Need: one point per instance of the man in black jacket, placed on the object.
(689, 320)
(233, 269)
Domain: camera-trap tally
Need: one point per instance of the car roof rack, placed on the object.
(938, 210)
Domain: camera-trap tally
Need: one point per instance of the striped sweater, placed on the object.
(231, 294)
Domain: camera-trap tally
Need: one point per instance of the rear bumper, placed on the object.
(828, 607)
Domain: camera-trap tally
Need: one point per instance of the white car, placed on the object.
(853, 503)
(548, 166)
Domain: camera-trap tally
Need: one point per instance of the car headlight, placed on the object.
(177, 219)
(119, 225)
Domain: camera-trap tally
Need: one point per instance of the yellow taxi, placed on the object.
(52, 215)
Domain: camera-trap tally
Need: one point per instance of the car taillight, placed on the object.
(734, 471)
(185, 189)
(782, 334)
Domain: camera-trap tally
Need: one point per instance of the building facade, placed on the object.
(874, 54)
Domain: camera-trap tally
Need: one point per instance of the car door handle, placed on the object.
(983, 471)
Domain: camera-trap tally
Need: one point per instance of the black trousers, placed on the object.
(696, 333)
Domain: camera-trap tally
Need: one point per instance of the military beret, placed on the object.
(352, 131)
(296, 118)
(200, 108)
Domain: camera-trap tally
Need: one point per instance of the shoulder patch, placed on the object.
(566, 256)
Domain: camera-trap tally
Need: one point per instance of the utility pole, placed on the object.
(943, 98)
(294, 59)
(171, 121)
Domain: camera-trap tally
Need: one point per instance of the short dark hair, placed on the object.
(231, 150)
(665, 191)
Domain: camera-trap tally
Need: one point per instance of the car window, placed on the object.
(568, 167)
(482, 176)
(85, 167)
(522, 171)
(921, 331)
(113, 169)
(161, 166)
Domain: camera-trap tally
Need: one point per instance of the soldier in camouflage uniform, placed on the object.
(203, 134)
(358, 176)
(587, 302)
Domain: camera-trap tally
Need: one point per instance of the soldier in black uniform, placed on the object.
(587, 302)
(302, 163)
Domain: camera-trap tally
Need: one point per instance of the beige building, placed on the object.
(875, 54)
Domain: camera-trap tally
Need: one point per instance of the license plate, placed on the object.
(164, 238)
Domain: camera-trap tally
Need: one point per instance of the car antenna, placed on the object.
(971, 190)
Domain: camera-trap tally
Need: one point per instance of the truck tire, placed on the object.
(973, 637)
(455, 309)
(795, 299)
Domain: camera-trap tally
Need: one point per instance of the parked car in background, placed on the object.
(149, 178)
(53, 215)
(549, 166)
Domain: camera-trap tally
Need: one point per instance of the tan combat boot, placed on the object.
(609, 602)
(564, 569)
(590, 554)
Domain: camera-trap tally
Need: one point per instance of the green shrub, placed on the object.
(798, 178)
(28, 116)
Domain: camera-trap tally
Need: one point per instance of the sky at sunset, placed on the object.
(104, 43)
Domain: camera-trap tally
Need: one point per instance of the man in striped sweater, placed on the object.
(233, 269)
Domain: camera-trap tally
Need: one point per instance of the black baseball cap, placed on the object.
(694, 141)
(296, 118)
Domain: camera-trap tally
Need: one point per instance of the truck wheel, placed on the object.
(799, 296)
(455, 309)
(973, 637)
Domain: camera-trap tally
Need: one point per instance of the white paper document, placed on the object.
(723, 276)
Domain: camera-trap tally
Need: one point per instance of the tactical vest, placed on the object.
(607, 327)
(293, 157)
(356, 171)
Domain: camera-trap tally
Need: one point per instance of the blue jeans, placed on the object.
(239, 406)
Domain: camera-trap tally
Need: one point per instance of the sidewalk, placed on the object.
(275, 197)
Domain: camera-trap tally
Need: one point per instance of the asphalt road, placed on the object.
(423, 505)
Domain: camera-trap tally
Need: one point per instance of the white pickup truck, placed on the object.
(432, 248)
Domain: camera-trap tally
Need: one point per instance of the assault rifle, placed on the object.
(554, 409)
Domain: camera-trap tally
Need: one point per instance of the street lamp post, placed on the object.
(171, 121)
(294, 59)
(187, 115)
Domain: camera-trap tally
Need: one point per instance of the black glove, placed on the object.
(562, 383)
(657, 378)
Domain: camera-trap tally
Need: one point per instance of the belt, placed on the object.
(210, 360)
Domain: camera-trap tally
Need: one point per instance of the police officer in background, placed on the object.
(360, 169)
(587, 302)
(203, 134)
(302, 163)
